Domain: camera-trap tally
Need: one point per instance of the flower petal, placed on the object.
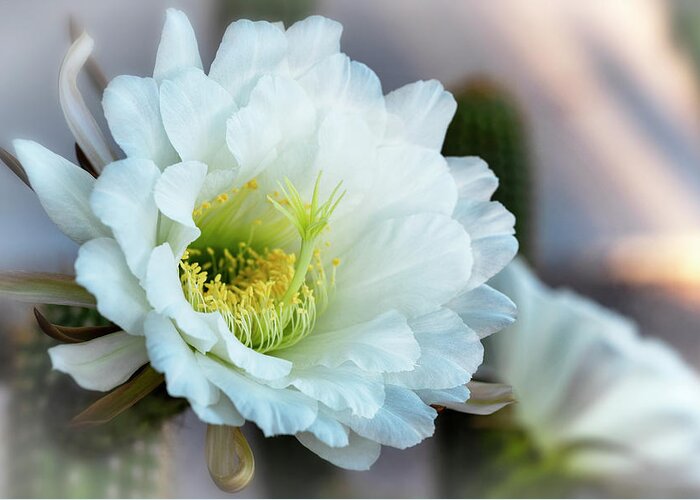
(248, 51)
(171, 356)
(132, 108)
(310, 41)
(175, 196)
(278, 113)
(402, 422)
(195, 109)
(328, 430)
(63, 190)
(450, 353)
(103, 363)
(80, 121)
(340, 388)
(178, 47)
(275, 411)
(220, 413)
(384, 344)
(123, 200)
(359, 454)
(442, 397)
(423, 110)
(489, 224)
(484, 310)
(102, 270)
(340, 84)
(413, 264)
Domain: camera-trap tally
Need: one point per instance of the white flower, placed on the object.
(589, 390)
(284, 242)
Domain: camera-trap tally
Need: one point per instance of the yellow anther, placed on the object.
(336, 262)
(252, 184)
(222, 198)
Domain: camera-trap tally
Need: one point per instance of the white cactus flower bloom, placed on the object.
(283, 242)
(609, 404)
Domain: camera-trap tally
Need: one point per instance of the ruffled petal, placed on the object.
(340, 84)
(340, 388)
(422, 112)
(328, 430)
(220, 413)
(453, 396)
(63, 190)
(132, 108)
(359, 454)
(103, 363)
(450, 353)
(384, 344)
(123, 200)
(275, 411)
(489, 224)
(310, 41)
(103, 271)
(279, 113)
(175, 196)
(171, 356)
(402, 422)
(413, 264)
(484, 310)
(178, 48)
(248, 51)
(195, 109)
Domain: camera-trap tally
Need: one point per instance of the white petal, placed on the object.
(340, 388)
(337, 83)
(424, 110)
(485, 398)
(132, 108)
(454, 395)
(384, 344)
(102, 270)
(195, 109)
(80, 121)
(359, 454)
(402, 422)
(220, 413)
(489, 224)
(178, 47)
(123, 200)
(279, 112)
(175, 195)
(248, 51)
(484, 310)
(450, 353)
(103, 363)
(310, 41)
(275, 411)
(63, 190)
(328, 430)
(475, 180)
(171, 356)
(204, 331)
(413, 264)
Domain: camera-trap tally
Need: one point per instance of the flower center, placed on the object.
(270, 299)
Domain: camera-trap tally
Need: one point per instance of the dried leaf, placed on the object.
(120, 399)
(14, 165)
(229, 458)
(71, 335)
(44, 288)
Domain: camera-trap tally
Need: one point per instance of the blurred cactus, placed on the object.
(50, 459)
(488, 124)
(287, 11)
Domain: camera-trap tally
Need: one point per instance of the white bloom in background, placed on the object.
(283, 242)
(609, 404)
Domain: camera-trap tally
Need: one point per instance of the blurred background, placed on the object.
(589, 111)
